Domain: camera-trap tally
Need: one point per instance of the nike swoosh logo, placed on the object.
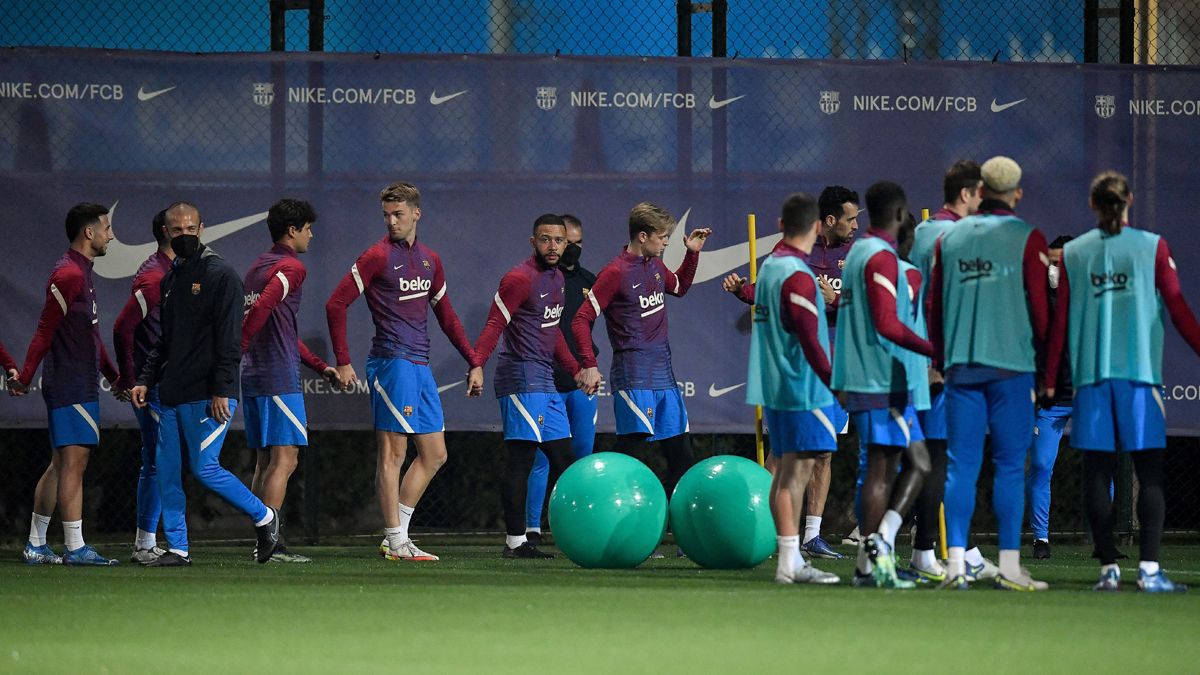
(637, 284)
(715, 264)
(713, 103)
(448, 387)
(544, 294)
(438, 100)
(122, 260)
(1005, 106)
(715, 393)
(144, 95)
(397, 267)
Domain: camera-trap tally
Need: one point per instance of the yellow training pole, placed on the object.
(758, 414)
(924, 215)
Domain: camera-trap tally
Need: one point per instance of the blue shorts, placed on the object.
(933, 421)
(887, 426)
(1118, 411)
(804, 430)
(275, 420)
(404, 397)
(77, 424)
(534, 416)
(657, 412)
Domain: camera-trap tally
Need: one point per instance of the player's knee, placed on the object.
(434, 458)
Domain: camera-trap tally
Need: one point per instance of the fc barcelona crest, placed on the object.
(408, 411)
(195, 289)
(541, 420)
(650, 413)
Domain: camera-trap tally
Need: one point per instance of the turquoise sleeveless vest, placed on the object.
(863, 361)
(779, 375)
(916, 366)
(1115, 325)
(985, 315)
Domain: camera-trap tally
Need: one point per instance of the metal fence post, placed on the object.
(683, 23)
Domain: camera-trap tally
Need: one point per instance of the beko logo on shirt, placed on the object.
(974, 269)
(553, 312)
(834, 282)
(251, 298)
(407, 285)
(1109, 281)
(652, 300)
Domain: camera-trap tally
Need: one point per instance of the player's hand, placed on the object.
(588, 380)
(936, 377)
(346, 376)
(695, 240)
(330, 375)
(14, 385)
(475, 382)
(121, 395)
(1049, 393)
(827, 290)
(138, 395)
(218, 409)
(733, 283)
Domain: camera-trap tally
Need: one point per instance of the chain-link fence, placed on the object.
(337, 478)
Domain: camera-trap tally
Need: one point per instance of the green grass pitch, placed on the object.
(351, 611)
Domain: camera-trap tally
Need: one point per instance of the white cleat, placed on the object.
(984, 570)
(807, 575)
(409, 551)
(142, 556)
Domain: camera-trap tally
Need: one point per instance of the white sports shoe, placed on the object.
(145, 555)
(409, 551)
(984, 570)
(383, 548)
(807, 575)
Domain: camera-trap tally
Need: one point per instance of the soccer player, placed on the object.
(135, 333)
(962, 190)
(631, 293)
(839, 209)
(789, 376)
(988, 319)
(527, 310)
(581, 406)
(1052, 417)
(872, 367)
(194, 364)
(401, 278)
(1114, 283)
(68, 338)
(276, 423)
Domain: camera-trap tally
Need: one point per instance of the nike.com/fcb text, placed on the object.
(632, 99)
(69, 91)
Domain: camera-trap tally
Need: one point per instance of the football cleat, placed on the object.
(86, 555)
(283, 555)
(811, 575)
(40, 555)
(268, 538)
(1024, 582)
(383, 548)
(656, 555)
(1041, 549)
(1158, 583)
(936, 575)
(984, 570)
(817, 547)
(884, 564)
(958, 583)
(1110, 580)
(409, 551)
(861, 580)
(525, 551)
(534, 538)
(170, 559)
(142, 556)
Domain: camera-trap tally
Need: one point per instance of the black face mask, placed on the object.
(185, 245)
(570, 255)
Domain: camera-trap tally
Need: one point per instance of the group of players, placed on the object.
(945, 335)
(922, 393)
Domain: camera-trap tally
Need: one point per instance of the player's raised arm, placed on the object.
(679, 281)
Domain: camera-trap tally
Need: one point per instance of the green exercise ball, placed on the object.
(608, 510)
(721, 513)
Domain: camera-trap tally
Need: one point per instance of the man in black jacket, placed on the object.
(581, 407)
(195, 367)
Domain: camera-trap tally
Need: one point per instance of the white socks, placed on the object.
(889, 526)
(956, 565)
(145, 540)
(37, 529)
(266, 519)
(514, 542)
(863, 564)
(789, 556)
(925, 560)
(1148, 566)
(180, 552)
(394, 537)
(73, 534)
(973, 556)
(1104, 569)
(812, 528)
(406, 513)
(1010, 563)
